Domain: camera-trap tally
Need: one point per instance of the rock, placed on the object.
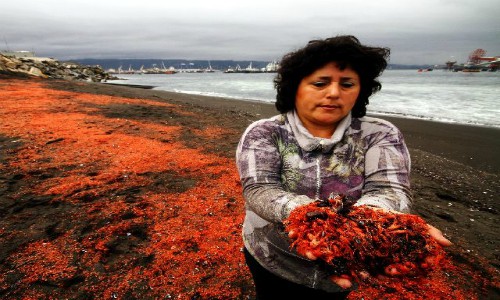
(36, 72)
(50, 68)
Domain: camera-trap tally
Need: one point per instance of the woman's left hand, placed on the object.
(438, 236)
(345, 281)
(432, 231)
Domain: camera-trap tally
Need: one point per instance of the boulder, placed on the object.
(34, 71)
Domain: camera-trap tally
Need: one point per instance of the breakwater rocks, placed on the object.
(50, 68)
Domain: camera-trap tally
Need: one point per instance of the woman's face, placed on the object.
(325, 97)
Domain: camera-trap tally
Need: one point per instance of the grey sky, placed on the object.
(417, 31)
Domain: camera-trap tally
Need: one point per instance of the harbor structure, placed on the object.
(477, 61)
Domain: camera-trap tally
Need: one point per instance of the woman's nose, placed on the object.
(333, 89)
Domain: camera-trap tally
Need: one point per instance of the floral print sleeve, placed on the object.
(387, 173)
(259, 163)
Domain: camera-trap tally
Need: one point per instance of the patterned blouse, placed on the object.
(282, 166)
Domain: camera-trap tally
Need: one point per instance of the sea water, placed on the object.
(453, 97)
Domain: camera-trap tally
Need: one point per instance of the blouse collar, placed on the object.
(308, 142)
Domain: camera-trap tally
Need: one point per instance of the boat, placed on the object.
(207, 70)
(237, 69)
(471, 70)
(163, 70)
(129, 71)
(270, 68)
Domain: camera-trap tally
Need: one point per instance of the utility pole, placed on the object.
(6, 44)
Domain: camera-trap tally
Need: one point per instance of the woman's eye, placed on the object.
(319, 83)
(347, 84)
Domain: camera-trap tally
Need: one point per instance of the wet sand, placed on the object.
(455, 181)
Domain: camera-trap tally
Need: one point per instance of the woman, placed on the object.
(320, 144)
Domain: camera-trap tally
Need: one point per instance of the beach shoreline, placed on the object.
(58, 181)
(469, 144)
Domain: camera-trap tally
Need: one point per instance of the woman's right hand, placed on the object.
(344, 281)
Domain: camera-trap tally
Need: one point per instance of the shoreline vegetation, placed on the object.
(111, 191)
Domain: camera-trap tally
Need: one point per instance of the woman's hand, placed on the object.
(345, 281)
(432, 231)
(438, 236)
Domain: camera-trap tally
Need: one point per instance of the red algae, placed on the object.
(109, 197)
(145, 215)
(44, 262)
(366, 245)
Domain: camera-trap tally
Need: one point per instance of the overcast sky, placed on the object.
(417, 31)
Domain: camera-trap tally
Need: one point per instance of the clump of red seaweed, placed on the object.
(360, 239)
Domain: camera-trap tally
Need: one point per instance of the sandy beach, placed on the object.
(110, 191)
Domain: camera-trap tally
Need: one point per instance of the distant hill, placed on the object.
(193, 64)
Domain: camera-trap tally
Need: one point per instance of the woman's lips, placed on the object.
(329, 106)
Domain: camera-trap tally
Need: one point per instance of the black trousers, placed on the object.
(270, 286)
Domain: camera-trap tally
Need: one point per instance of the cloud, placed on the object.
(422, 31)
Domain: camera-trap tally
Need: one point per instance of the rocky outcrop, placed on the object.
(51, 68)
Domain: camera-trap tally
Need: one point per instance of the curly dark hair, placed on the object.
(346, 50)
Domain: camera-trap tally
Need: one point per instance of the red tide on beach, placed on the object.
(112, 197)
